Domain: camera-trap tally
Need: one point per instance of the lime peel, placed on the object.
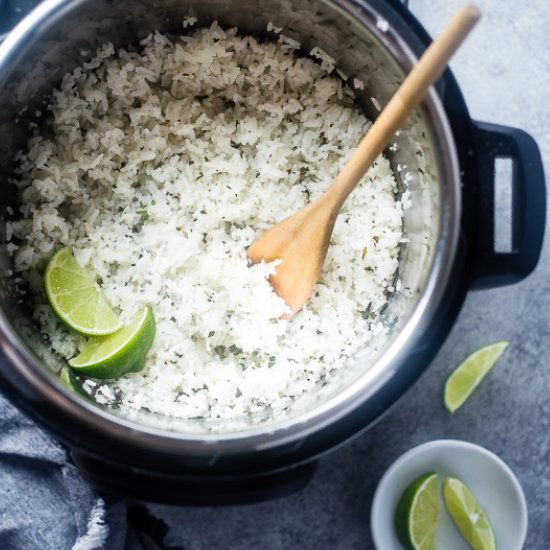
(468, 375)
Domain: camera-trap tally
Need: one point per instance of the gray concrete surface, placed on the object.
(504, 72)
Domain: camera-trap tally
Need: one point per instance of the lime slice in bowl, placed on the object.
(76, 297)
(468, 515)
(119, 353)
(417, 514)
(467, 376)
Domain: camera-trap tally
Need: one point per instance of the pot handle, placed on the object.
(493, 269)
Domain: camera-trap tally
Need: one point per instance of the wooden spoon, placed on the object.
(301, 241)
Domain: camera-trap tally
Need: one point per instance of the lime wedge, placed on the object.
(467, 515)
(68, 379)
(467, 376)
(72, 383)
(76, 298)
(417, 514)
(119, 353)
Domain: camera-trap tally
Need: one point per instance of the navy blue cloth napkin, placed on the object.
(43, 501)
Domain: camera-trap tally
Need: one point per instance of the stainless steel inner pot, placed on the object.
(58, 37)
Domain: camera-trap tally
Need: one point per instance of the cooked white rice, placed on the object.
(159, 168)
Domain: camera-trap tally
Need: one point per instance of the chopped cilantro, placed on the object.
(220, 351)
(143, 212)
(366, 313)
(235, 350)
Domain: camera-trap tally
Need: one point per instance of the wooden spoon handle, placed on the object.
(408, 96)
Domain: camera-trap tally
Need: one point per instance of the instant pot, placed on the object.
(443, 160)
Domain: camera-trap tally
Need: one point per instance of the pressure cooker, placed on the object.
(450, 246)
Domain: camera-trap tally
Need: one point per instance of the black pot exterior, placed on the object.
(132, 466)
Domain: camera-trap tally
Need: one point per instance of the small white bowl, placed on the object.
(491, 481)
